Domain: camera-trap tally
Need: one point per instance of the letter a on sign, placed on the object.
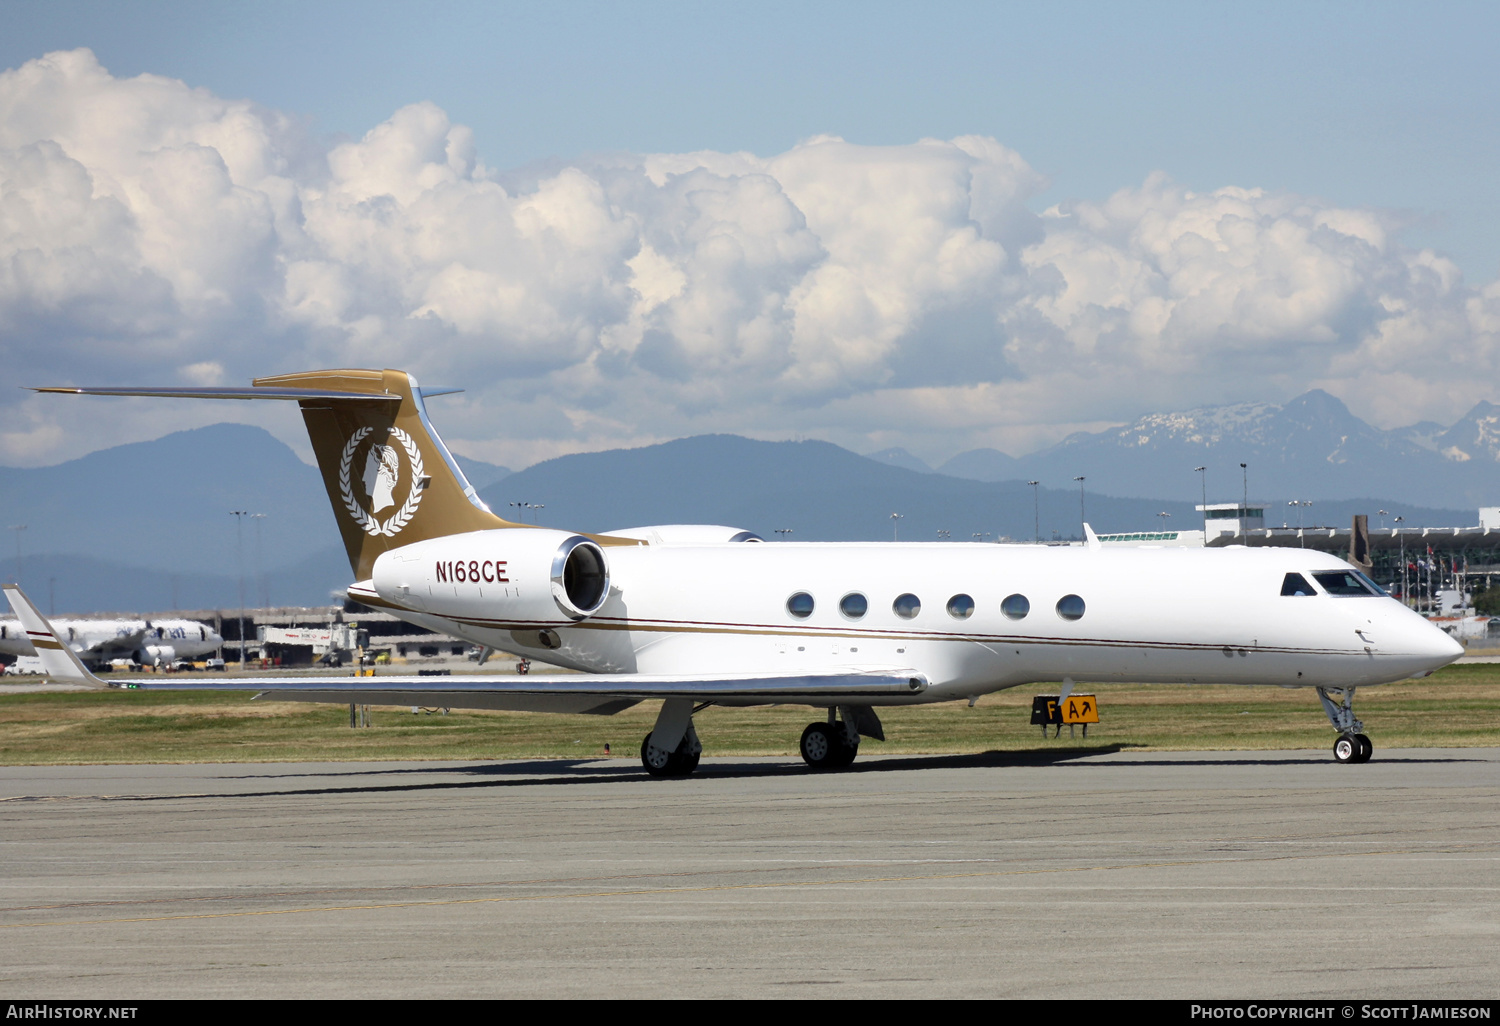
(1080, 709)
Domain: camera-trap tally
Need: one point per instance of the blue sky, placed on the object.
(940, 225)
(1375, 104)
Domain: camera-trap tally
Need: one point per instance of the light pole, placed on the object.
(1405, 598)
(1036, 510)
(945, 535)
(1164, 518)
(894, 518)
(239, 559)
(1245, 480)
(1301, 505)
(1082, 517)
(18, 528)
(783, 531)
(1202, 473)
(536, 512)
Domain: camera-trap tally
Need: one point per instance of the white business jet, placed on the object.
(696, 616)
(100, 642)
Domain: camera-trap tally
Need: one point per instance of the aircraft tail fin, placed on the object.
(59, 662)
(389, 476)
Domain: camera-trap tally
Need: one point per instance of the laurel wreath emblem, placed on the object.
(398, 520)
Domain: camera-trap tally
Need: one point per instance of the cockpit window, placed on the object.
(1371, 584)
(1296, 584)
(1344, 584)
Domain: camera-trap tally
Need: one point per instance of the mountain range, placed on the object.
(1309, 448)
(147, 526)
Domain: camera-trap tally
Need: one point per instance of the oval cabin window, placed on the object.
(800, 605)
(960, 607)
(853, 605)
(906, 606)
(1070, 607)
(1015, 607)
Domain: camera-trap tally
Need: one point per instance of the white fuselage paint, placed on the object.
(1164, 615)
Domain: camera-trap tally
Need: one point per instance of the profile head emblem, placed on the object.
(382, 467)
(382, 480)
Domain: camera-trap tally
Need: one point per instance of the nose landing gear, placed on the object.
(1352, 745)
(1352, 748)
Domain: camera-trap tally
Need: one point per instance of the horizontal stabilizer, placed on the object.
(173, 392)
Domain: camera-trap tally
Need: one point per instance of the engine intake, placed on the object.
(580, 582)
(517, 577)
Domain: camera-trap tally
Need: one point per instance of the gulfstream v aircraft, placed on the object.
(697, 616)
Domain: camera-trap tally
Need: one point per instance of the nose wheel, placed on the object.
(1352, 745)
(1352, 748)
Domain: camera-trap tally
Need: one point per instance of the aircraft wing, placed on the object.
(596, 693)
(119, 647)
(581, 692)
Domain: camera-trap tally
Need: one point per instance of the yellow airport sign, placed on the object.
(1080, 709)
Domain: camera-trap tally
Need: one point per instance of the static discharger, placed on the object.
(1047, 710)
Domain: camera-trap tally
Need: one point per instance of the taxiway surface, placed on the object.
(1182, 874)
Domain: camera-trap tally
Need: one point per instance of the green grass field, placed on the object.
(1457, 707)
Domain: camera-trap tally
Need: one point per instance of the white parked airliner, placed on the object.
(100, 642)
(696, 615)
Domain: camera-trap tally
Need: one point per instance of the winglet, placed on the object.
(1091, 538)
(59, 661)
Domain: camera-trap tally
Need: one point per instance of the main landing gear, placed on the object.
(672, 748)
(1352, 745)
(677, 763)
(834, 744)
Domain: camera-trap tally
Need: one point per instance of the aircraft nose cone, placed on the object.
(1431, 644)
(1446, 647)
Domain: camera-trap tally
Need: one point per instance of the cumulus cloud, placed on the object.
(908, 295)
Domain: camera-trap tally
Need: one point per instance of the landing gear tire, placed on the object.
(661, 763)
(1347, 748)
(1365, 748)
(823, 747)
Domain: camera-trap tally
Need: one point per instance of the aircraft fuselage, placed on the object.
(981, 617)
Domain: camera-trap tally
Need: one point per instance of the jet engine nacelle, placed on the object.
(519, 577)
(156, 655)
